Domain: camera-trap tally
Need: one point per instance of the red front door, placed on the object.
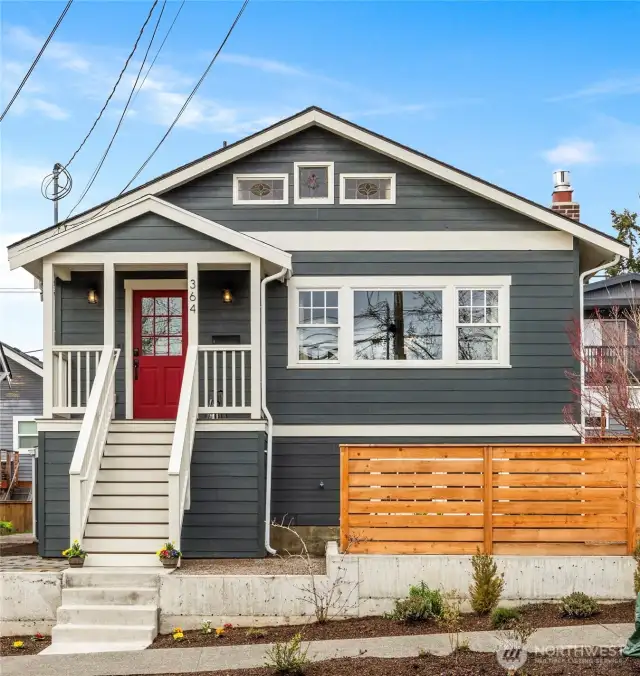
(159, 349)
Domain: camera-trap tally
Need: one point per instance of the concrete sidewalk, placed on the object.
(186, 660)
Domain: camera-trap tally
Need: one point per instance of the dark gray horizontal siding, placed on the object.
(226, 518)
(78, 322)
(151, 233)
(423, 202)
(300, 464)
(54, 458)
(543, 298)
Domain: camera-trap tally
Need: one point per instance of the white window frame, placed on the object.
(256, 177)
(313, 200)
(392, 197)
(449, 286)
(16, 420)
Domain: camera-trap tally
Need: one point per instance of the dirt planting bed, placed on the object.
(30, 647)
(539, 615)
(271, 566)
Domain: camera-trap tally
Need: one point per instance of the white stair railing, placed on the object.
(226, 379)
(74, 370)
(85, 463)
(180, 459)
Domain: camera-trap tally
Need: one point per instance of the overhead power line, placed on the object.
(96, 171)
(35, 61)
(115, 86)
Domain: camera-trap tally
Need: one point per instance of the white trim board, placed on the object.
(19, 359)
(34, 250)
(315, 116)
(453, 431)
(131, 285)
(439, 240)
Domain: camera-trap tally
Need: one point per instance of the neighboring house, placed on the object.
(20, 405)
(611, 311)
(311, 285)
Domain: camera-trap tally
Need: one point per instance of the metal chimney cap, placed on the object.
(561, 180)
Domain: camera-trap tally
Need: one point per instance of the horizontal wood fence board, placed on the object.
(609, 535)
(559, 521)
(416, 548)
(555, 493)
(410, 493)
(417, 466)
(418, 534)
(602, 480)
(414, 452)
(416, 480)
(575, 507)
(574, 451)
(560, 466)
(416, 507)
(424, 521)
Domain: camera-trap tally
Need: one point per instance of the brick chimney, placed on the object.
(562, 197)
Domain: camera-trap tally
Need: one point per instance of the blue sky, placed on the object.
(507, 91)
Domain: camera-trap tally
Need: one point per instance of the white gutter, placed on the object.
(583, 278)
(265, 410)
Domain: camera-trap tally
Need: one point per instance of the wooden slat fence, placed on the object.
(502, 499)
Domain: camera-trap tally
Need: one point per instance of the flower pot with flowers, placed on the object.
(169, 556)
(75, 555)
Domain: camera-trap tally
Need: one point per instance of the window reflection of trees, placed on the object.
(398, 325)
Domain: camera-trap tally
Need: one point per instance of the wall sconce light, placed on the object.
(227, 296)
(92, 296)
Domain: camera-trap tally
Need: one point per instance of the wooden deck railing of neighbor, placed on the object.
(502, 499)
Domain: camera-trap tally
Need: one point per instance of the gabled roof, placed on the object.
(144, 205)
(28, 361)
(5, 369)
(602, 246)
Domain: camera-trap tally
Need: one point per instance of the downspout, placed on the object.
(583, 278)
(265, 410)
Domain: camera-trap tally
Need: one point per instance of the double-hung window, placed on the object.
(25, 433)
(401, 322)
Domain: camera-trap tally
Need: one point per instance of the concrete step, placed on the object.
(143, 462)
(124, 450)
(122, 545)
(82, 633)
(126, 576)
(127, 530)
(131, 488)
(129, 438)
(128, 516)
(108, 615)
(111, 596)
(129, 502)
(110, 560)
(136, 476)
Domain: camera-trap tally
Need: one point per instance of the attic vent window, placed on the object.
(369, 188)
(313, 183)
(260, 189)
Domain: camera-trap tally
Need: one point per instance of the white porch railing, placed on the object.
(91, 440)
(180, 459)
(74, 371)
(226, 376)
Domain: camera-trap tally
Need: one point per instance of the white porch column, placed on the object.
(109, 302)
(256, 348)
(48, 338)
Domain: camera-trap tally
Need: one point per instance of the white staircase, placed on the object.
(106, 611)
(129, 510)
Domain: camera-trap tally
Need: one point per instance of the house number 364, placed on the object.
(192, 295)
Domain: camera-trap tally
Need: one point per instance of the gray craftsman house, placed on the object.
(212, 336)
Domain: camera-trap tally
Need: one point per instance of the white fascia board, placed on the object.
(19, 359)
(142, 206)
(365, 138)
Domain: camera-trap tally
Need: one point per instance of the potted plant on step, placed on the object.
(169, 555)
(75, 555)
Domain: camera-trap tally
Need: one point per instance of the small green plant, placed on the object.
(501, 618)
(487, 584)
(422, 604)
(255, 632)
(75, 551)
(206, 627)
(579, 605)
(636, 572)
(451, 618)
(288, 657)
(6, 527)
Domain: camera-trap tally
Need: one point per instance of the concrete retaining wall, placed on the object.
(28, 602)
(366, 585)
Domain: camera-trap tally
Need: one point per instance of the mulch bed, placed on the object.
(462, 664)
(539, 615)
(31, 647)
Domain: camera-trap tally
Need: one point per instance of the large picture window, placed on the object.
(399, 322)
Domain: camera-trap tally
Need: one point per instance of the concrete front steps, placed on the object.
(106, 610)
(129, 510)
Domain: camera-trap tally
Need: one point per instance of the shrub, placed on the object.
(255, 632)
(288, 657)
(451, 619)
(422, 604)
(6, 527)
(579, 605)
(487, 584)
(503, 617)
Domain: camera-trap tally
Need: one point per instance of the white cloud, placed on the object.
(265, 65)
(614, 86)
(67, 55)
(572, 151)
(26, 105)
(17, 175)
